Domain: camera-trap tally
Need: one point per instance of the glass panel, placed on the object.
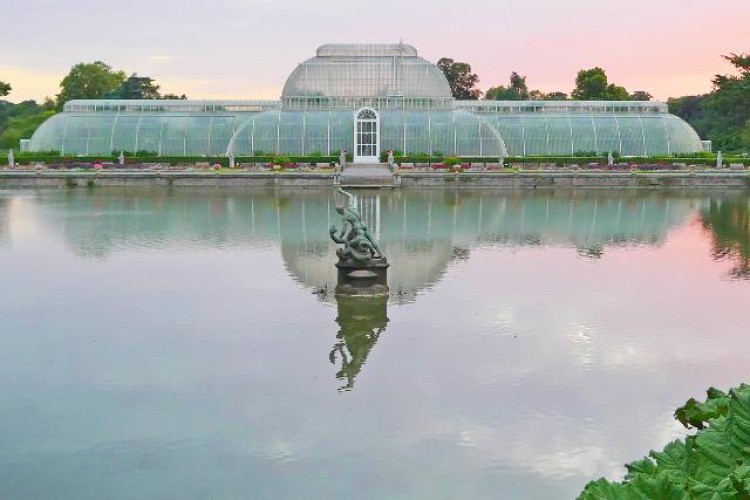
(535, 128)
(632, 135)
(607, 133)
(584, 135)
(560, 135)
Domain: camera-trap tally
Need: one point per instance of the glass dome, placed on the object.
(382, 70)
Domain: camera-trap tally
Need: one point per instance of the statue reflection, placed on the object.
(361, 321)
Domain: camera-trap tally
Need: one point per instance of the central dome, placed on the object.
(362, 71)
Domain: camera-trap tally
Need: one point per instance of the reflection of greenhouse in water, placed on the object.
(420, 232)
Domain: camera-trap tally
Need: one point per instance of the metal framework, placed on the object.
(317, 114)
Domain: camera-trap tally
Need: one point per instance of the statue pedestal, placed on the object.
(369, 279)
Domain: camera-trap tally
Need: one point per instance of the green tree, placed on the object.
(723, 115)
(728, 105)
(48, 104)
(19, 121)
(89, 81)
(745, 136)
(592, 85)
(460, 79)
(617, 93)
(5, 89)
(174, 97)
(556, 96)
(691, 108)
(537, 95)
(498, 93)
(136, 87)
(517, 90)
(641, 95)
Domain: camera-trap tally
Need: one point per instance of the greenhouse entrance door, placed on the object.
(366, 136)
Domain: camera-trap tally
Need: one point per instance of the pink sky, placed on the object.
(246, 49)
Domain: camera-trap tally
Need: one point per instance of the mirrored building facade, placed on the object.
(365, 99)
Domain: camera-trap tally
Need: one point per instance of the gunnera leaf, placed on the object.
(714, 464)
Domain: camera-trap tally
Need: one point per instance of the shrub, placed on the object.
(280, 160)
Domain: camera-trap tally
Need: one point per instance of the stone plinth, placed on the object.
(362, 279)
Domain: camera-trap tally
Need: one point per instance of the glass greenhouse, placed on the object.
(365, 99)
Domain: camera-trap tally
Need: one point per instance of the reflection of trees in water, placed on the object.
(729, 223)
(460, 253)
(592, 251)
(361, 322)
(4, 224)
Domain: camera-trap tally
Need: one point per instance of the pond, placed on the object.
(185, 343)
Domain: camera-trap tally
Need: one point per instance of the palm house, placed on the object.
(365, 99)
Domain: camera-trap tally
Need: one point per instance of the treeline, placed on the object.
(590, 85)
(95, 80)
(19, 121)
(722, 115)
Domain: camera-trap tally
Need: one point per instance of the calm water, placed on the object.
(168, 344)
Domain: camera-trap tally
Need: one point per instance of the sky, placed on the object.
(245, 49)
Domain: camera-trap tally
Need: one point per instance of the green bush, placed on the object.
(280, 160)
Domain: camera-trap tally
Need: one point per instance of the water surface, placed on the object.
(168, 343)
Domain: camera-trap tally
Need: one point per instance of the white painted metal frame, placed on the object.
(366, 136)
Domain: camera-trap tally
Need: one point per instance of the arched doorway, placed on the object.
(366, 136)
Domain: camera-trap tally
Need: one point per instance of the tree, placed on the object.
(617, 93)
(745, 136)
(723, 115)
(556, 96)
(516, 91)
(498, 93)
(174, 97)
(641, 95)
(89, 81)
(537, 95)
(591, 85)
(48, 104)
(5, 89)
(136, 87)
(728, 105)
(460, 79)
(691, 108)
(19, 121)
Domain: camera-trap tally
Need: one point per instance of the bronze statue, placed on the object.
(359, 245)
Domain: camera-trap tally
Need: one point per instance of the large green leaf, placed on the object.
(708, 466)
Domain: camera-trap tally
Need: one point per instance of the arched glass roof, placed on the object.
(630, 134)
(316, 114)
(412, 132)
(366, 71)
(458, 132)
